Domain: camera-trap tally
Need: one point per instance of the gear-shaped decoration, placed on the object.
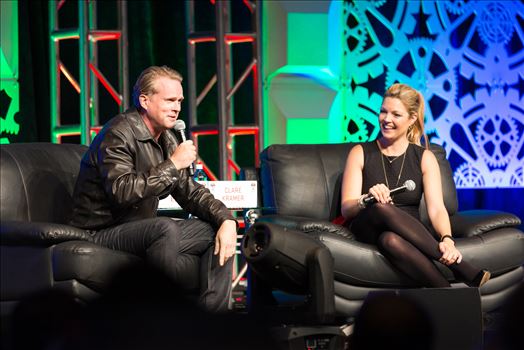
(433, 135)
(412, 67)
(496, 138)
(496, 24)
(355, 32)
(424, 68)
(361, 121)
(357, 129)
(378, 3)
(517, 179)
(9, 101)
(467, 176)
(455, 7)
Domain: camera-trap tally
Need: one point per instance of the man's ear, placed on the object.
(143, 99)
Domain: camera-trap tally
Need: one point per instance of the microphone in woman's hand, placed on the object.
(409, 185)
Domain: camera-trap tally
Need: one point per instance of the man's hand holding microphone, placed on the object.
(186, 153)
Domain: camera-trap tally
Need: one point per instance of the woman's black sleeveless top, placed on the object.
(373, 174)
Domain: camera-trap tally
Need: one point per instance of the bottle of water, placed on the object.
(200, 174)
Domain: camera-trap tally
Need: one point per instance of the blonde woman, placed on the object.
(392, 221)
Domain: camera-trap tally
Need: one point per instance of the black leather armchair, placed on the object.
(38, 250)
(302, 183)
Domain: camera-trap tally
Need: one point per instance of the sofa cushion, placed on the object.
(307, 225)
(469, 223)
(308, 175)
(89, 263)
(39, 233)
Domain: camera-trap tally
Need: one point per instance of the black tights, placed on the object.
(407, 243)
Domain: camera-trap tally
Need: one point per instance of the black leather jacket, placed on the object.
(124, 173)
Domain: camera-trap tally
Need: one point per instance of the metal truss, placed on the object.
(86, 85)
(225, 128)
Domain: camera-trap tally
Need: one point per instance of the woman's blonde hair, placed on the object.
(145, 84)
(414, 102)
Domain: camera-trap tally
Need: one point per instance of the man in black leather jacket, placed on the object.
(134, 160)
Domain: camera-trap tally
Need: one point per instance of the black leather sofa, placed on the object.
(38, 250)
(301, 183)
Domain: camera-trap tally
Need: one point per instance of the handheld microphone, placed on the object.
(180, 128)
(409, 185)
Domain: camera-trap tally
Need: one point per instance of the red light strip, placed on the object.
(59, 6)
(59, 135)
(96, 129)
(234, 165)
(69, 76)
(64, 34)
(204, 133)
(246, 131)
(204, 39)
(101, 35)
(211, 176)
(106, 84)
(249, 5)
(235, 132)
(239, 38)
(229, 38)
(256, 100)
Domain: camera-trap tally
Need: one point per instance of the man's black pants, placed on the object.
(171, 245)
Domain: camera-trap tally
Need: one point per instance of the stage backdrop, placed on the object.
(326, 65)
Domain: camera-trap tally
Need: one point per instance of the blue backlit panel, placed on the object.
(468, 60)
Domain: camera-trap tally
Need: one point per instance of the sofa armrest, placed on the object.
(39, 233)
(306, 225)
(470, 223)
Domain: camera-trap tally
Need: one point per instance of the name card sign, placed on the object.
(234, 194)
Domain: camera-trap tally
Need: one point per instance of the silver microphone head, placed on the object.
(410, 185)
(179, 125)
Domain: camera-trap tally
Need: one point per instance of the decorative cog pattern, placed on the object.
(467, 176)
(456, 7)
(9, 102)
(378, 3)
(496, 138)
(357, 129)
(355, 31)
(517, 179)
(459, 54)
(412, 67)
(496, 24)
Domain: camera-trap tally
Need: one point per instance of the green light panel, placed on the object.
(9, 86)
